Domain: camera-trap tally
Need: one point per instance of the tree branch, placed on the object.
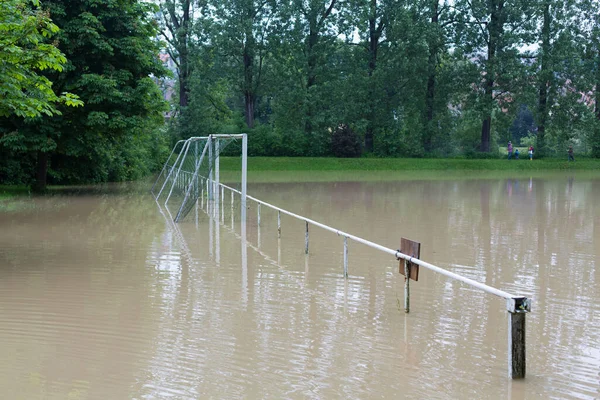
(170, 52)
(327, 12)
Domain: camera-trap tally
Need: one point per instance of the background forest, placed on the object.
(344, 78)
(387, 77)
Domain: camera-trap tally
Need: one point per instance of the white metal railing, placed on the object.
(517, 306)
(395, 253)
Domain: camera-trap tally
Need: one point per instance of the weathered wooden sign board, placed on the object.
(413, 249)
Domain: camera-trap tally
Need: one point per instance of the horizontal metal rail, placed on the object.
(395, 253)
(517, 306)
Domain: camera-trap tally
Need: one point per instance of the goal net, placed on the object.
(192, 173)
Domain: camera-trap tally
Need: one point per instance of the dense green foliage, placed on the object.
(419, 78)
(24, 92)
(111, 57)
(345, 142)
(410, 78)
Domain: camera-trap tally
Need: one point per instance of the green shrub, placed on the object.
(345, 142)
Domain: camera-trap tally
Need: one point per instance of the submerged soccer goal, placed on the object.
(192, 173)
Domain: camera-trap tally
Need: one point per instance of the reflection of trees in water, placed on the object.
(450, 214)
(535, 236)
(521, 235)
(594, 195)
(91, 251)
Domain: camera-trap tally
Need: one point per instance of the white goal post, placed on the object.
(192, 166)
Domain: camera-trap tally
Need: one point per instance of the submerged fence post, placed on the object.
(410, 270)
(279, 251)
(306, 239)
(406, 287)
(278, 224)
(345, 256)
(517, 308)
(258, 224)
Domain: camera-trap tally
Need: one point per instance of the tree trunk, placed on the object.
(42, 172)
(486, 126)
(181, 26)
(248, 62)
(374, 35)
(311, 79)
(596, 138)
(495, 28)
(486, 129)
(249, 95)
(183, 86)
(431, 79)
(544, 83)
(249, 101)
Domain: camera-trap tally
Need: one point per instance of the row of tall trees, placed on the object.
(406, 77)
(78, 98)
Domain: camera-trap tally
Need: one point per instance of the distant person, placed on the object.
(516, 154)
(530, 151)
(510, 149)
(570, 152)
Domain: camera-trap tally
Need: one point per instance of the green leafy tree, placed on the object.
(176, 26)
(389, 79)
(313, 30)
(242, 35)
(300, 69)
(491, 32)
(556, 67)
(112, 58)
(25, 51)
(371, 19)
(440, 18)
(593, 58)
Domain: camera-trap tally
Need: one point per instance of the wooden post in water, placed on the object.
(517, 310)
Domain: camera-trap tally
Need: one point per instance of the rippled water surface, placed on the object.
(102, 297)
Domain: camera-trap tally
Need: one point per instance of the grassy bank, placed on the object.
(10, 191)
(11, 197)
(288, 169)
(405, 164)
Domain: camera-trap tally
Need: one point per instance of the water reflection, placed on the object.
(104, 297)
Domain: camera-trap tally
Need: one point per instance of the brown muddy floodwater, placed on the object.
(101, 297)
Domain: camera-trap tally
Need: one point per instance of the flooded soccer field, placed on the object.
(103, 297)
